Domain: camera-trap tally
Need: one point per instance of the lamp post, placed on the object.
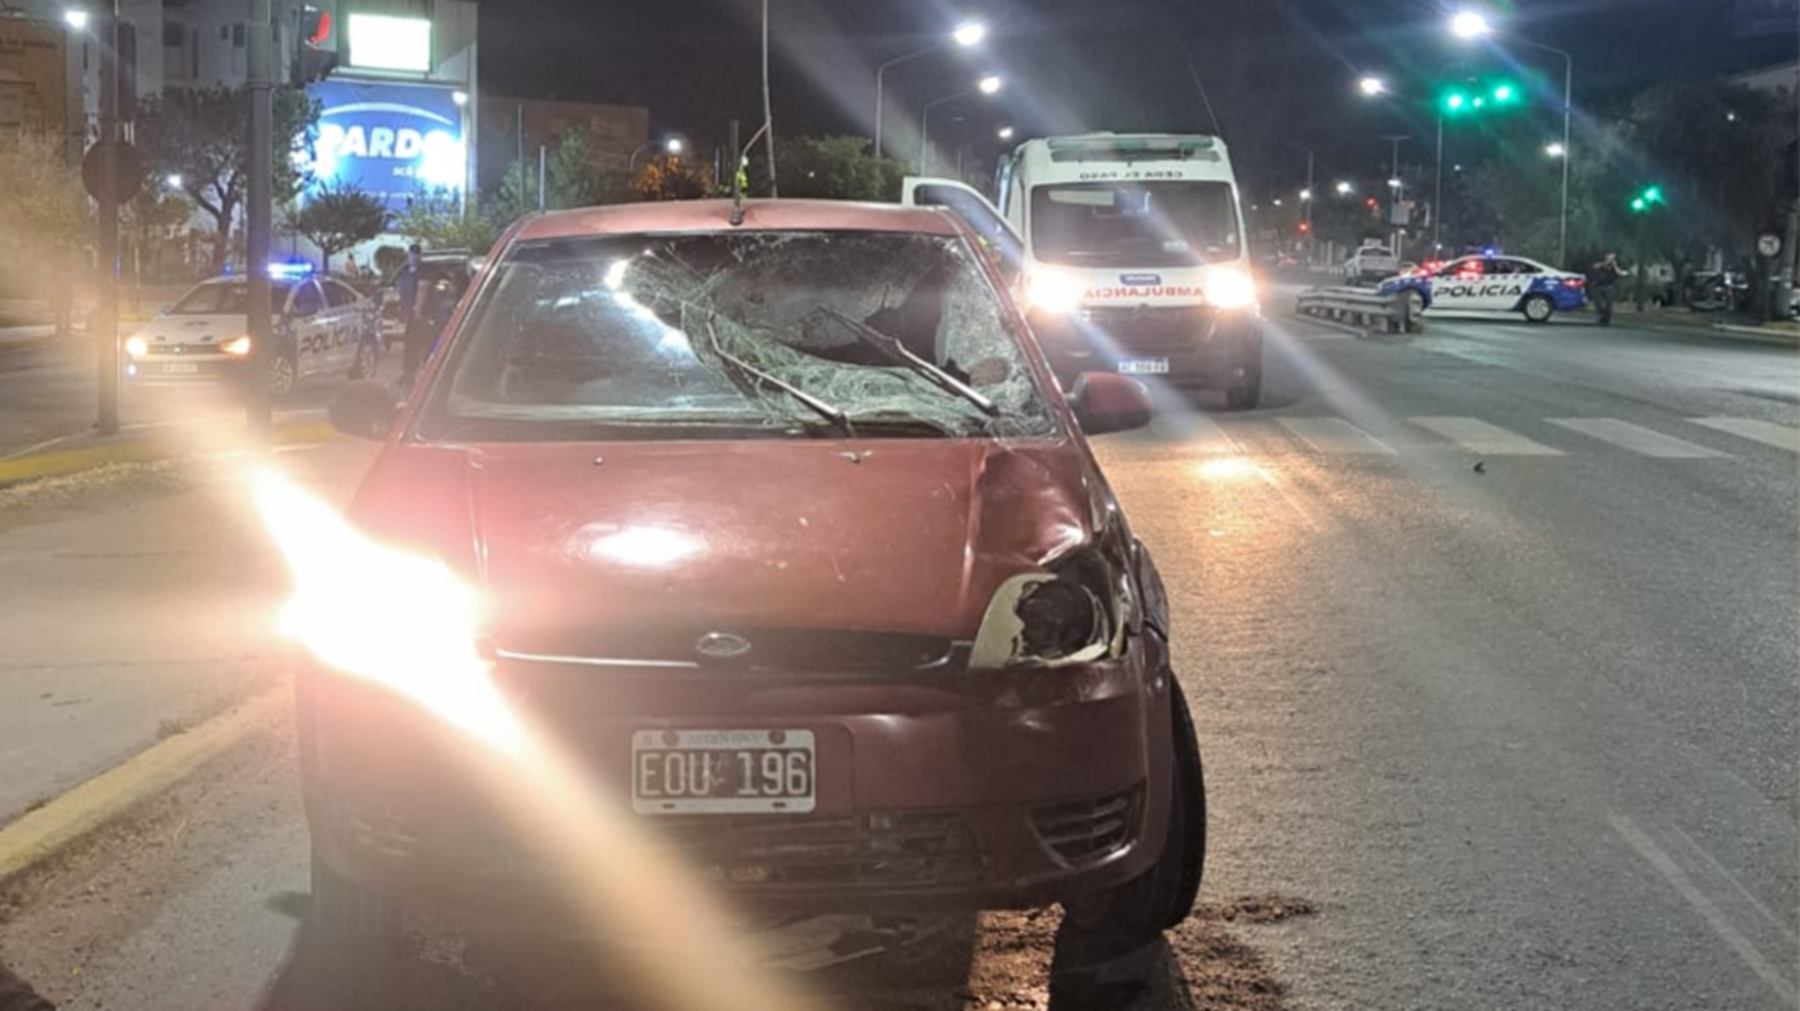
(987, 86)
(1471, 25)
(965, 35)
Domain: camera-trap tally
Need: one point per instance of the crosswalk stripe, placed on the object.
(1478, 436)
(1636, 439)
(1335, 436)
(1766, 432)
(1204, 435)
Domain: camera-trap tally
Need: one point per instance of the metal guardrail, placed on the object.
(1361, 307)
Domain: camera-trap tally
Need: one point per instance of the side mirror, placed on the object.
(365, 410)
(1108, 402)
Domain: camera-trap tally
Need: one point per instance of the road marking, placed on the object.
(1714, 916)
(1639, 440)
(1335, 436)
(1719, 869)
(1766, 432)
(1478, 436)
(1208, 436)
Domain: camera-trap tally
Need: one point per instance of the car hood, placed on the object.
(898, 536)
(192, 329)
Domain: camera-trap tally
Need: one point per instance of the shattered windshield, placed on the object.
(1134, 224)
(877, 332)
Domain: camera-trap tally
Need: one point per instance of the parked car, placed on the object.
(1484, 283)
(786, 531)
(1372, 262)
(323, 329)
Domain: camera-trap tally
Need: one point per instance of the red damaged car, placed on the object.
(787, 535)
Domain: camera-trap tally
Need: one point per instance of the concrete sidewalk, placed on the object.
(138, 611)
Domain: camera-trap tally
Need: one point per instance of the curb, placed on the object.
(108, 797)
(59, 463)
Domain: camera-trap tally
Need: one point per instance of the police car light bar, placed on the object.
(289, 271)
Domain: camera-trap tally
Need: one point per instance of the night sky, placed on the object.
(1279, 73)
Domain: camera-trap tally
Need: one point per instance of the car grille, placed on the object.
(1085, 831)
(1148, 329)
(798, 651)
(890, 848)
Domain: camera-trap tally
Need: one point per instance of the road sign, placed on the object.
(1768, 244)
(128, 172)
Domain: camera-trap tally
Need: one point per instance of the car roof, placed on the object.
(715, 216)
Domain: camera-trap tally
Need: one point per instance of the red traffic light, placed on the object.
(1369, 203)
(318, 27)
(1305, 227)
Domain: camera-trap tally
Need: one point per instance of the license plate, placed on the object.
(722, 772)
(180, 368)
(1144, 366)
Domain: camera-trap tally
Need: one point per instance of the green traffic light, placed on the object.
(1638, 204)
(1455, 101)
(1504, 93)
(1653, 194)
(1477, 102)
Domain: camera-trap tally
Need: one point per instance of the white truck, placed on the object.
(1130, 256)
(1372, 262)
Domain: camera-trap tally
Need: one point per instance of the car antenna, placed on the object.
(737, 179)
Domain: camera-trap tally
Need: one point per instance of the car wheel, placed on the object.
(1122, 919)
(355, 935)
(1539, 308)
(281, 376)
(1244, 393)
(363, 365)
(1415, 302)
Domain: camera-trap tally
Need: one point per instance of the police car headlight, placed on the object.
(1053, 291)
(1229, 288)
(136, 346)
(239, 345)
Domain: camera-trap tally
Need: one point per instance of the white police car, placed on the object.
(1483, 283)
(323, 328)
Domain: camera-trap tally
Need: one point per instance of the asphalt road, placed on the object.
(1492, 641)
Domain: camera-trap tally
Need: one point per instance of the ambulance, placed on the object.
(1130, 256)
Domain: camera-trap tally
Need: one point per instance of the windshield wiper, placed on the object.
(824, 409)
(930, 370)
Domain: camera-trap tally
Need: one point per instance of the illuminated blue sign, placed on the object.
(391, 140)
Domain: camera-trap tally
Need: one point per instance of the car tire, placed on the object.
(354, 936)
(363, 365)
(1538, 308)
(1245, 393)
(1110, 924)
(1415, 302)
(282, 376)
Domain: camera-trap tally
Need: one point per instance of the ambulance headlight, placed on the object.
(1229, 288)
(136, 346)
(1053, 291)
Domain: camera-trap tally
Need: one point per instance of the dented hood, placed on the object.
(908, 536)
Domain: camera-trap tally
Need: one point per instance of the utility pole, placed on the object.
(1396, 193)
(259, 213)
(1311, 195)
(768, 107)
(106, 324)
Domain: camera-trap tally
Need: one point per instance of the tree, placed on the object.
(436, 221)
(572, 179)
(335, 218)
(200, 136)
(671, 177)
(153, 222)
(832, 168)
(44, 216)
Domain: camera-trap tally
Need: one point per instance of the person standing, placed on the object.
(1603, 281)
(414, 292)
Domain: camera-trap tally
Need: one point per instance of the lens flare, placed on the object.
(1054, 291)
(400, 620)
(1229, 288)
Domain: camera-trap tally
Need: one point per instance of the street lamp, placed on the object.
(76, 18)
(173, 180)
(966, 35)
(987, 86)
(1555, 150)
(670, 145)
(1372, 86)
(1306, 194)
(1344, 189)
(1006, 133)
(1471, 25)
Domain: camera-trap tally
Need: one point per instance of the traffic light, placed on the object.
(1505, 93)
(1647, 198)
(1305, 227)
(1455, 102)
(315, 44)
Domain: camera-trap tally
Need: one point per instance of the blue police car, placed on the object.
(1484, 283)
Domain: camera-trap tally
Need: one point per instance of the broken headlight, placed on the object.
(1075, 613)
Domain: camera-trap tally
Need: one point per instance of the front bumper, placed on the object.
(184, 370)
(1183, 345)
(956, 791)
